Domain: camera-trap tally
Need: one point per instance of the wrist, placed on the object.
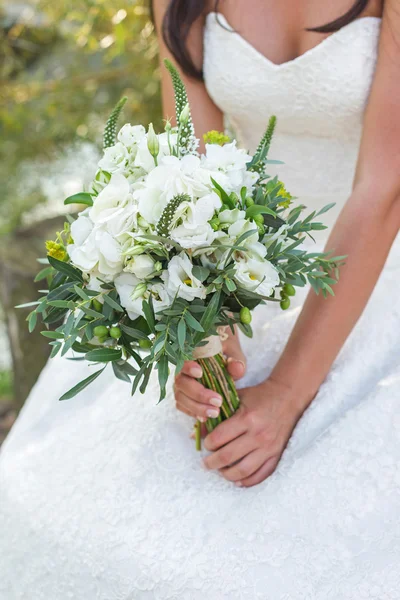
(297, 395)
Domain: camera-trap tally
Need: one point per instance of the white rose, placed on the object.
(257, 276)
(179, 279)
(130, 135)
(142, 266)
(99, 250)
(114, 194)
(116, 159)
(229, 164)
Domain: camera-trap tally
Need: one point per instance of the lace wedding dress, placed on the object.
(103, 497)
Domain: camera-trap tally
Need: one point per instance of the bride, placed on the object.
(296, 496)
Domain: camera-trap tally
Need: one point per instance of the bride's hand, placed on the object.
(247, 447)
(193, 398)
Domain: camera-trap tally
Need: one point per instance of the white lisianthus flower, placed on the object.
(179, 279)
(253, 247)
(94, 249)
(258, 276)
(115, 159)
(142, 266)
(131, 135)
(193, 230)
(231, 216)
(114, 194)
(173, 176)
(228, 164)
(125, 285)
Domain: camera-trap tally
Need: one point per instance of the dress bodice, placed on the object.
(319, 100)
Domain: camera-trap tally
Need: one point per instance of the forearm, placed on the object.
(364, 232)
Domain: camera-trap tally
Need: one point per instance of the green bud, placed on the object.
(245, 315)
(185, 114)
(261, 230)
(100, 331)
(259, 219)
(168, 125)
(158, 266)
(145, 344)
(143, 223)
(115, 333)
(153, 143)
(249, 201)
(215, 223)
(285, 304)
(233, 196)
(134, 251)
(289, 289)
(97, 305)
(103, 338)
(139, 291)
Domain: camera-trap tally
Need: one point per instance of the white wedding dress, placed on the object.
(104, 497)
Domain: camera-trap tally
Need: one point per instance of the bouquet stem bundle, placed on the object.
(217, 378)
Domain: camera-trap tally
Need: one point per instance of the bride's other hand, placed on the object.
(192, 397)
(247, 447)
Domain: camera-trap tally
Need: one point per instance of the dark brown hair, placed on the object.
(181, 14)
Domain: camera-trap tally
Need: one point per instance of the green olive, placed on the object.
(115, 333)
(249, 201)
(100, 331)
(289, 289)
(285, 304)
(97, 305)
(245, 315)
(145, 344)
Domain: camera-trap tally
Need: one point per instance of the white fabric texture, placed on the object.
(103, 497)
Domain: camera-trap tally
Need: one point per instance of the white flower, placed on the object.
(116, 159)
(279, 235)
(258, 276)
(251, 243)
(227, 165)
(142, 266)
(145, 160)
(114, 194)
(173, 176)
(126, 284)
(94, 248)
(179, 279)
(231, 216)
(130, 135)
(193, 230)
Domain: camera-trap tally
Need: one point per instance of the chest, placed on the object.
(280, 30)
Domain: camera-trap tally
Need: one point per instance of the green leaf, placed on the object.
(193, 323)
(162, 375)
(54, 335)
(81, 293)
(28, 304)
(223, 195)
(201, 273)
(104, 355)
(146, 378)
(133, 333)
(81, 385)
(55, 350)
(32, 320)
(148, 311)
(112, 303)
(120, 373)
(181, 334)
(256, 209)
(66, 268)
(81, 198)
(207, 320)
(46, 272)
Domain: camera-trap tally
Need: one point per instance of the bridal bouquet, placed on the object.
(172, 248)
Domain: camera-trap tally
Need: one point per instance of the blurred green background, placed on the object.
(63, 66)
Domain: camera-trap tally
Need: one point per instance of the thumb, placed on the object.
(236, 367)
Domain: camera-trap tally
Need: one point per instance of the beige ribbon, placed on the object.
(213, 345)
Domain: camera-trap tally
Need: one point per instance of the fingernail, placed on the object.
(238, 483)
(212, 413)
(196, 372)
(231, 360)
(216, 401)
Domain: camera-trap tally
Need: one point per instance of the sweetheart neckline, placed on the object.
(219, 17)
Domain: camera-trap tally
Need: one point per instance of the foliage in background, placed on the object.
(63, 65)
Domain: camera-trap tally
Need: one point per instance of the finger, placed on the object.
(262, 473)
(225, 432)
(236, 367)
(229, 454)
(203, 432)
(196, 409)
(191, 368)
(245, 467)
(197, 392)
